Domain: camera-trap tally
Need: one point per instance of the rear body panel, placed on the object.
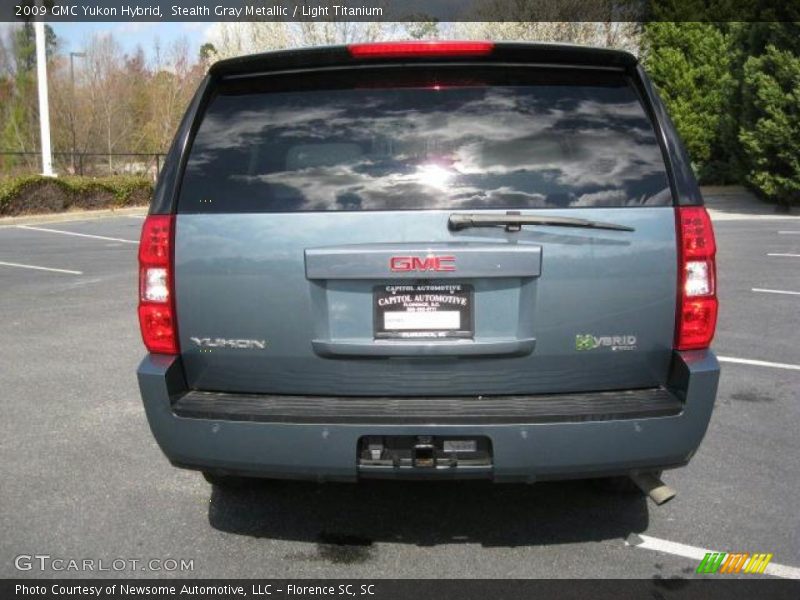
(314, 265)
(522, 452)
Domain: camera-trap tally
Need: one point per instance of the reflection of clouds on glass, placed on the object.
(233, 129)
(327, 188)
(493, 147)
(604, 198)
(335, 187)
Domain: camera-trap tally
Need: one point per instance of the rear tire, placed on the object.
(231, 482)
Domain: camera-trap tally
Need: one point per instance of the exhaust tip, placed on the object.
(650, 483)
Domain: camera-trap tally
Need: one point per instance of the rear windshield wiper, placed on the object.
(514, 222)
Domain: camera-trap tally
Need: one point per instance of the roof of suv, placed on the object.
(499, 52)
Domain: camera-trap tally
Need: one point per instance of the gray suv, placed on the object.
(428, 260)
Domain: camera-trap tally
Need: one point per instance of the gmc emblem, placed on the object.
(401, 264)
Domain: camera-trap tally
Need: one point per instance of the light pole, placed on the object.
(72, 56)
(44, 106)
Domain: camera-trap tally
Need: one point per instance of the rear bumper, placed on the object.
(526, 446)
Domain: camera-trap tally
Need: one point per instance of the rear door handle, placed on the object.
(387, 348)
(465, 260)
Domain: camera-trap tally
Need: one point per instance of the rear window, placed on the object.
(520, 139)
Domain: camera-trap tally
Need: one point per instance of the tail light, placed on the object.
(419, 48)
(696, 317)
(156, 290)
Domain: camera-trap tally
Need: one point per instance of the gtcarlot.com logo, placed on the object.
(46, 562)
(734, 562)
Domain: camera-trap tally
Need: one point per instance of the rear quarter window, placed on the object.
(520, 139)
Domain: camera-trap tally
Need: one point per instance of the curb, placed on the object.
(720, 215)
(78, 215)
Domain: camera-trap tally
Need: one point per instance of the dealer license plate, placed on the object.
(423, 311)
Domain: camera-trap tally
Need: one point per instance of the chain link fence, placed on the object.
(92, 164)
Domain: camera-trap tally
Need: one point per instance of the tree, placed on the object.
(170, 89)
(238, 38)
(324, 33)
(425, 28)
(207, 52)
(138, 79)
(25, 46)
(690, 64)
(19, 110)
(108, 90)
(607, 23)
(770, 133)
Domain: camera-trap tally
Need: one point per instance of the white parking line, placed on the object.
(645, 542)
(86, 235)
(10, 264)
(789, 232)
(765, 291)
(758, 363)
(783, 254)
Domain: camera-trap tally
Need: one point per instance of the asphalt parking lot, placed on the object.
(82, 476)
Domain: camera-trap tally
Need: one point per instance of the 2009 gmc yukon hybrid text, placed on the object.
(428, 259)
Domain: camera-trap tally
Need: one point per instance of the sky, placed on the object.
(73, 36)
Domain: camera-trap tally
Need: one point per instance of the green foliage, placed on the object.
(706, 10)
(18, 114)
(422, 27)
(25, 46)
(770, 132)
(733, 90)
(122, 187)
(690, 65)
(207, 51)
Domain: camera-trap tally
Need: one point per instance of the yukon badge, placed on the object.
(404, 264)
(206, 344)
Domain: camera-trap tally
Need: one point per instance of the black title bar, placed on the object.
(399, 10)
(716, 588)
